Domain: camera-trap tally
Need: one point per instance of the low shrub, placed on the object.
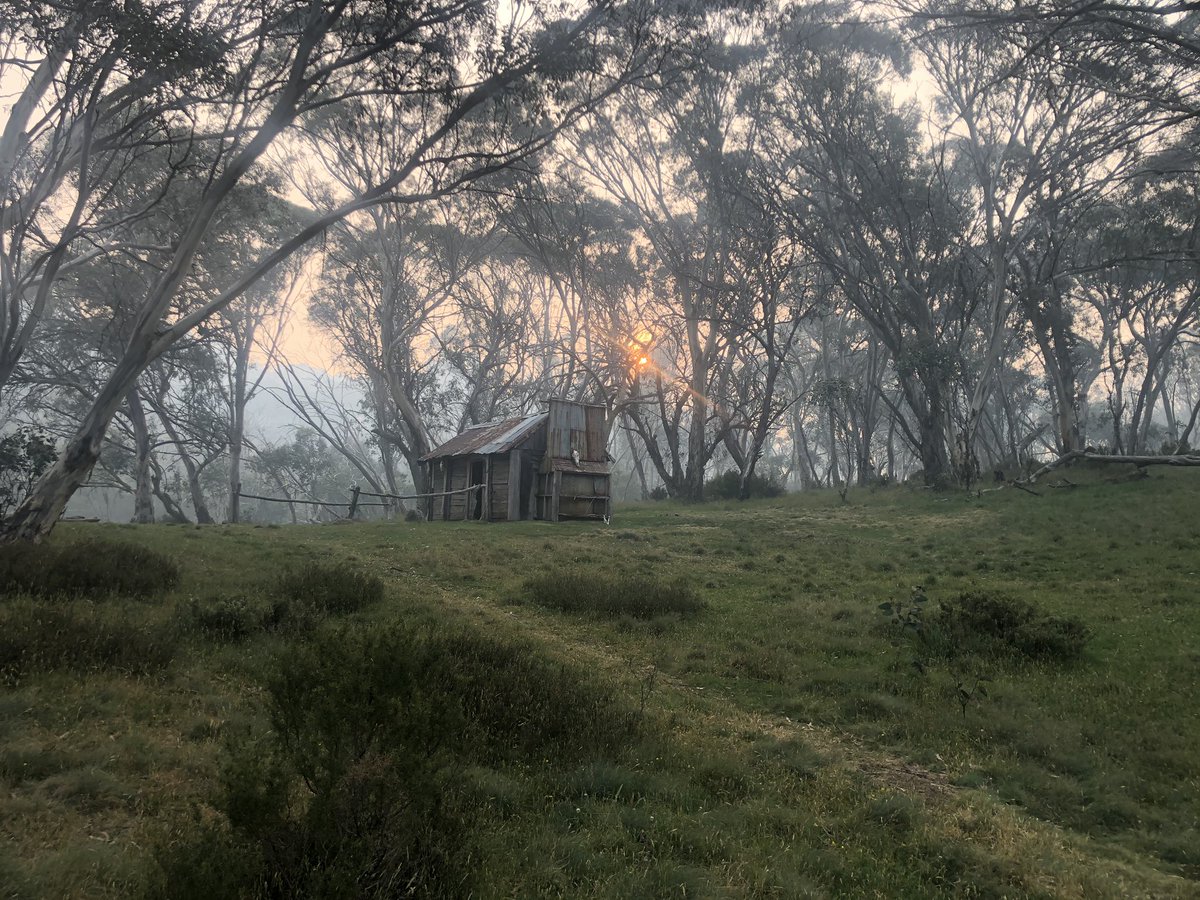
(516, 703)
(994, 624)
(227, 618)
(425, 689)
(300, 601)
(25, 453)
(236, 618)
(357, 790)
(725, 486)
(92, 568)
(333, 588)
(40, 634)
(642, 598)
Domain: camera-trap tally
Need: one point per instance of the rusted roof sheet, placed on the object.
(488, 438)
(583, 467)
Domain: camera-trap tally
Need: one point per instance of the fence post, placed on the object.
(354, 500)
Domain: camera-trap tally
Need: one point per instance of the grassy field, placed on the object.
(691, 702)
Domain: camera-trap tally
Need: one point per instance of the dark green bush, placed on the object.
(25, 454)
(642, 598)
(333, 588)
(359, 688)
(301, 600)
(92, 568)
(62, 633)
(993, 624)
(356, 789)
(514, 702)
(725, 486)
(227, 618)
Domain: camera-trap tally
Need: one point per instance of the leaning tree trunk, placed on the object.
(196, 490)
(37, 515)
(143, 494)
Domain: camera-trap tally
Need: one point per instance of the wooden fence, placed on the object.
(356, 503)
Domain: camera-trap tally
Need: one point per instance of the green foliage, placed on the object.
(355, 790)
(41, 634)
(933, 361)
(203, 860)
(94, 568)
(237, 617)
(24, 455)
(725, 486)
(996, 625)
(299, 602)
(332, 588)
(590, 592)
(908, 615)
(227, 618)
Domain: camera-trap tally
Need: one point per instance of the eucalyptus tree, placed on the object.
(675, 154)
(488, 347)
(329, 406)
(883, 220)
(580, 243)
(1041, 143)
(304, 468)
(99, 85)
(392, 278)
(285, 62)
(772, 288)
(185, 391)
(1144, 291)
(1148, 52)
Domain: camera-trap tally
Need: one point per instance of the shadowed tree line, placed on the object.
(723, 221)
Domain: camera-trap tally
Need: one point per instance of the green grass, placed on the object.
(790, 740)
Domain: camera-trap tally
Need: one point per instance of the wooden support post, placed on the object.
(354, 500)
(555, 491)
(485, 495)
(514, 486)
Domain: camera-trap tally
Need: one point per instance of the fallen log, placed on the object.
(1183, 459)
(1022, 487)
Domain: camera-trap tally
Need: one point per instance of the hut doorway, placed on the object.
(477, 476)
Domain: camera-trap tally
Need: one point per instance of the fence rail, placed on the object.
(354, 505)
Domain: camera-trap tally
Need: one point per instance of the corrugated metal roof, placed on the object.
(488, 438)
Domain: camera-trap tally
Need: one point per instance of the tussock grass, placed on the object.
(331, 588)
(47, 634)
(93, 568)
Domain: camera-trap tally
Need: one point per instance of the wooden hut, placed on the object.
(553, 465)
